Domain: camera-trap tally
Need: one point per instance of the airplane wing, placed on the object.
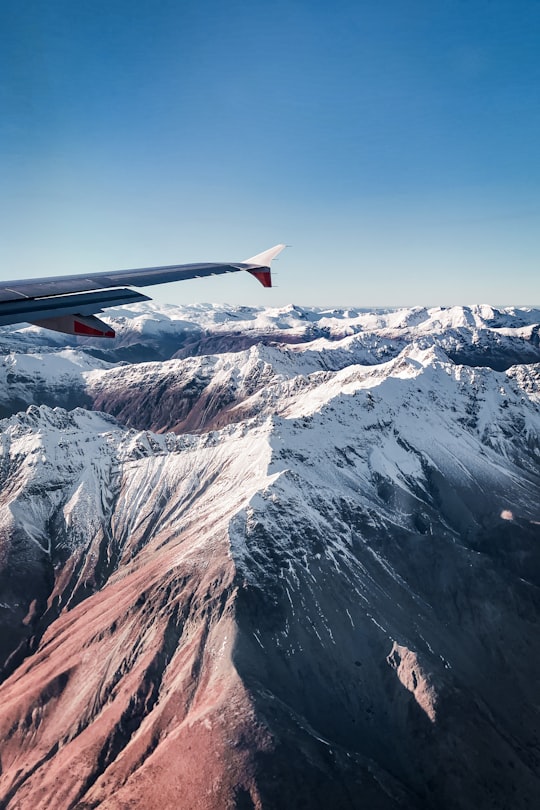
(69, 303)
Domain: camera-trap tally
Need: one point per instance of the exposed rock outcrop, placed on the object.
(328, 596)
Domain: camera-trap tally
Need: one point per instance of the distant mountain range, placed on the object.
(272, 558)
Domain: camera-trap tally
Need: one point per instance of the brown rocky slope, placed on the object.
(333, 603)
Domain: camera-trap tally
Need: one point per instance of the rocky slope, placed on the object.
(322, 590)
(129, 378)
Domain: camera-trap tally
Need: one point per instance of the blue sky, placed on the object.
(393, 145)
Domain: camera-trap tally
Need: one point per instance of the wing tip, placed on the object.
(263, 275)
(263, 262)
(265, 258)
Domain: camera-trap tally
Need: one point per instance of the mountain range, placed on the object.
(272, 558)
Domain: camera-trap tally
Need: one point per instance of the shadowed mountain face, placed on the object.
(322, 590)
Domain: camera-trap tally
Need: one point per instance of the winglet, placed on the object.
(261, 264)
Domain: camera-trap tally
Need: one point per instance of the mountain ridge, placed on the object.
(327, 594)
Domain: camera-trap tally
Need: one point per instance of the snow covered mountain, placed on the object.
(322, 589)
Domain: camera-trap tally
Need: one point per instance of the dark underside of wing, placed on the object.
(33, 309)
(53, 286)
(69, 303)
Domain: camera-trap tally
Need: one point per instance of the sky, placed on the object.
(393, 145)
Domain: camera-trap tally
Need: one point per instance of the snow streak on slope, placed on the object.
(201, 342)
(140, 521)
(329, 592)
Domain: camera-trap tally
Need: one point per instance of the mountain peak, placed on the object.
(298, 555)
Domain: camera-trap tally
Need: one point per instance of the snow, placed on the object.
(358, 491)
(326, 417)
